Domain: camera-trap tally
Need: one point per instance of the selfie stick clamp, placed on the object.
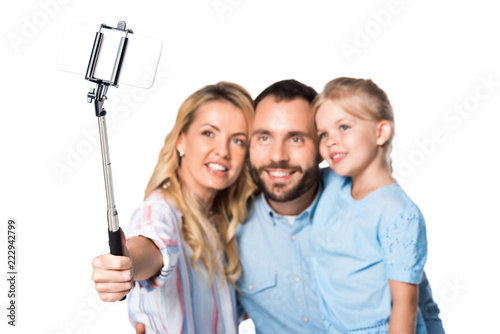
(98, 96)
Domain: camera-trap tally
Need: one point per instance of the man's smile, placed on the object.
(279, 175)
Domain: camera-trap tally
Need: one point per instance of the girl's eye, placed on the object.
(344, 127)
(323, 135)
(208, 133)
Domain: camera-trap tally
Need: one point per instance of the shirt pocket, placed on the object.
(254, 284)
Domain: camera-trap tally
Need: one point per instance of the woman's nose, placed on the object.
(222, 149)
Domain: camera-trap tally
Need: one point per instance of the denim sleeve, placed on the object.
(429, 308)
(240, 311)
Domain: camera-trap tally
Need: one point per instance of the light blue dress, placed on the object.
(359, 246)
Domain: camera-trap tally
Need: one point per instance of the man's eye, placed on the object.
(297, 140)
(263, 138)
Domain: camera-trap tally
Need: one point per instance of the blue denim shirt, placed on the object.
(277, 288)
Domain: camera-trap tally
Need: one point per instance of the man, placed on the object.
(277, 287)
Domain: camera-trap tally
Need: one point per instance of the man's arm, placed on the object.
(429, 308)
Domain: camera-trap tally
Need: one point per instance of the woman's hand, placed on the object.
(140, 329)
(113, 275)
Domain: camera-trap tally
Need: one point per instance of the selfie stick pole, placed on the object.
(98, 96)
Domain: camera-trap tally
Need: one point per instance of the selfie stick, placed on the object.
(98, 96)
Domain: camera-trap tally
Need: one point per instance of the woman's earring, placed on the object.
(181, 153)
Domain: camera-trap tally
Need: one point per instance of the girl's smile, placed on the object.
(348, 143)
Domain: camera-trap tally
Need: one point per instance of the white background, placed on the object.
(428, 56)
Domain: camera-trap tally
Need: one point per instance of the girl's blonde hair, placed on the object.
(361, 98)
(209, 242)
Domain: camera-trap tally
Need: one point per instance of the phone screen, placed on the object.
(140, 62)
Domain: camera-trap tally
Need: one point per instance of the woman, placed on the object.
(181, 257)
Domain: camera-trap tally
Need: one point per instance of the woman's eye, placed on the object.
(208, 133)
(239, 142)
(344, 127)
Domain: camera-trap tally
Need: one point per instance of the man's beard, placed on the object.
(309, 179)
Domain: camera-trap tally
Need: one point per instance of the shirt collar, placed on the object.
(269, 213)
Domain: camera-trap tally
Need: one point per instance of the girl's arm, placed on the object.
(404, 307)
(114, 275)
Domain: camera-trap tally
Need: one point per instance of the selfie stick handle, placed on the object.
(98, 96)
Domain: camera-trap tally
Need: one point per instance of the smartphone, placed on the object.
(140, 61)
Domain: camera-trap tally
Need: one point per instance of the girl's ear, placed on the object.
(384, 132)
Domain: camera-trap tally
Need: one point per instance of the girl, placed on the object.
(371, 242)
(181, 258)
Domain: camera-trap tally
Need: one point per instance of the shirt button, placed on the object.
(296, 279)
(294, 237)
(305, 319)
(250, 286)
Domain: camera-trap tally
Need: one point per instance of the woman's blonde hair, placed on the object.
(361, 98)
(208, 243)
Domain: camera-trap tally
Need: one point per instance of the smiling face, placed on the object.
(350, 144)
(283, 150)
(214, 148)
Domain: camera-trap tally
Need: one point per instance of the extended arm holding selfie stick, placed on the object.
(98, 96)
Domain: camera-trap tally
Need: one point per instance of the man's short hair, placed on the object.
(287, 90)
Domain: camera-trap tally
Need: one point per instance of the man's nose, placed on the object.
(279, 152)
